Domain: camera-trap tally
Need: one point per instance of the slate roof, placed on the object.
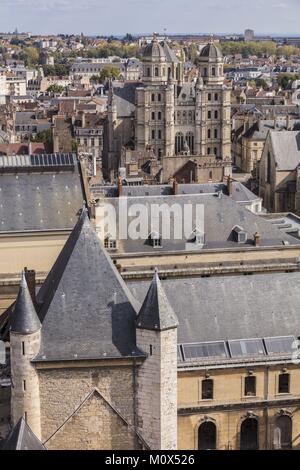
(24, 318)
(35, 201)
(221, 215)
(232, 307)
(240, 193)
(22, 438)
(124, 97)
(286, 149)
(211, 51)
(87, 312)
(156, 313)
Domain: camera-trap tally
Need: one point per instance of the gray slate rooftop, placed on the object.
(286, 148)
(39, 201)
(22, 438)
(86, 309)
(24, 318)
(232, 307)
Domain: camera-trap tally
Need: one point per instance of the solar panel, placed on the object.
(246, 347)
(195, 351)
(280, 344)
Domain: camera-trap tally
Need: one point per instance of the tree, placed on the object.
(55, 88)
(286, 79)
(44, 136)
(106, 73)
(31, 56)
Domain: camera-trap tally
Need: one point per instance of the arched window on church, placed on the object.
(156, 72)
(148, 72)
(208, 133)
(207, 436)
(190, 141)
(216, 114)
(213, 71)
(249, 434)
(159, 116)
(178, 142)
(283, 433)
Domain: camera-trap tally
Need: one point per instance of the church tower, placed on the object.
(25, 335)
(216, 105)
(155, 100)
(157, 376)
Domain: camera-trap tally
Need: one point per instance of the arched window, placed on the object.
(208, 133)
(169, 73)
(179, 140)
(159, 134)
(207, 436)
(208, 151)
(249, 434)
(209, 114)
(205, 71)
(148, 72)
(216, 114)
(216, 151)
(159, 116)
(153, 115)
(216, 96)
(156, 71)
(159, 97)
(190, 141)
(213, 72)
(152, 97)
(216, 133)
(283, 433)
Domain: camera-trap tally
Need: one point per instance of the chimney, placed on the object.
(31, 282)
(229, 185)
(257, 239)
(120, 186)
(175, 187)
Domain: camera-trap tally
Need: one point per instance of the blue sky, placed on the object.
(135, 16)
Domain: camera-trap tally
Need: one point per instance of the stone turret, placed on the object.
(157, 377)
(25, 336)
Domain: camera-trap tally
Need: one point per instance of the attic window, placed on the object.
(155, 239)
(110, 244)
(197, 237)
(239, 234)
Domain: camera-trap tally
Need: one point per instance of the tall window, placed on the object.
(159, 134)
(156, 71)
(216, 114)
(216, 133)
(207, 389)
(216, 96)
(209, 97)
(208, 133)
(159, 97)
(284, 383)
(178, 142)
(283, 433)
(148, 71)
(250, 386)
(153, 134)
(249, 434)
(159, 116)
(209, 114)
(190, 141)
(216, 151)
(213, 71)
(153, 115)
(152, 97)
(208, 151)
(207, 436)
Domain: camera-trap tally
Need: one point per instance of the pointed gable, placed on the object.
(24, 317)
(156, 312)
(22, 438)
(86, 309)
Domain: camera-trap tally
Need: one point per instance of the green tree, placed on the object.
(44, 136)
(55, 88)
(106, 73)
(31, 56)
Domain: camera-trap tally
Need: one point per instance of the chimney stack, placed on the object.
(257, 239)
(31, 283)
(120, 186)
(229, 186)
(175, 187)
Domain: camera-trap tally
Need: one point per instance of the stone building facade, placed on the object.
(172, 118)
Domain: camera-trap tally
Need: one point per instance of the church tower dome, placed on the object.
(211, 64)
(154, 62)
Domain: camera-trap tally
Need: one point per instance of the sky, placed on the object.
(105, 17)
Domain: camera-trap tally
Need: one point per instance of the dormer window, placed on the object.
(197, 237)
(155, 239)
(110, 243)
(239, 234)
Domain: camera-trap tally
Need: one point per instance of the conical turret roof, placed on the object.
(24, 318)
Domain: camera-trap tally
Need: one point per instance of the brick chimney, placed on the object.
(229, 186)
(175, 187)
(120, 186)
(31, 282)
(257, 239)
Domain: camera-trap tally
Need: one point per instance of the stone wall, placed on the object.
(62, 390)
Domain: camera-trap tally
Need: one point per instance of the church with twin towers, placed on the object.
(174, 119)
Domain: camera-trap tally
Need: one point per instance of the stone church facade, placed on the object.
(171, 118)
